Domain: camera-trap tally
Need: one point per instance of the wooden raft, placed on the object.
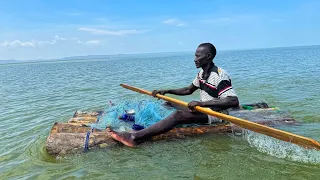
(70, 137)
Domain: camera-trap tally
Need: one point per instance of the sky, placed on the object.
(47, 29)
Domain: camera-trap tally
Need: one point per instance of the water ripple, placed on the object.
(35, 95)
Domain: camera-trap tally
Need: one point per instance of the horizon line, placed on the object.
(119, 54)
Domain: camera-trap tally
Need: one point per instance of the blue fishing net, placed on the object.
(147, 112)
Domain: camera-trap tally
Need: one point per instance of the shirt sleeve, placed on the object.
(225, 87)
(196, 82)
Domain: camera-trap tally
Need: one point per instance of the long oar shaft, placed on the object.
(278, 134)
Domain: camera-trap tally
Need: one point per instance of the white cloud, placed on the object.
(93, 42)
(87, 42)
(15, 43)
(181, 43)
(112, 33)
(173, 22)
(35, 43)
(53, 41)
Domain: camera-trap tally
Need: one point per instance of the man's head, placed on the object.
(204, 54)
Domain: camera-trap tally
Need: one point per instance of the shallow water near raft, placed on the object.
(35, 95)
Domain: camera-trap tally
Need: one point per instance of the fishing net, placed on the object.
(147, 112)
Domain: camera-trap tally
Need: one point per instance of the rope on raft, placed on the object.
(86, 142)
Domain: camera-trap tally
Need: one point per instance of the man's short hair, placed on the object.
(211, 48)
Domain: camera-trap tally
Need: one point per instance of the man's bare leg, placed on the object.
(175, 106)
(176, 118)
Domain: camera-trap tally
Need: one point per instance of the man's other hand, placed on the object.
(193, 104)
(162, 92)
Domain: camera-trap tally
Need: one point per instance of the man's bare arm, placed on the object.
(218, 104)
(181, 91)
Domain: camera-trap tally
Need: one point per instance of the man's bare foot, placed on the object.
(123, 137)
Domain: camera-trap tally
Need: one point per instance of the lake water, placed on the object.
(35, 95)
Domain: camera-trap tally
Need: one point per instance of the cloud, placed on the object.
(35, 43)
(173, 22)
(93, 42)
(32, 43)
(112, 33)
(53, 41)
(16, 43)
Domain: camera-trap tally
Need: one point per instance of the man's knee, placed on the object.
(179, 116)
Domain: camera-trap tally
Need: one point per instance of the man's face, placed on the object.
(201, 57)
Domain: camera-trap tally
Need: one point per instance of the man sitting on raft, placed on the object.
(215, 92)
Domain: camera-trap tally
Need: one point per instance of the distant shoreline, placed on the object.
(105, 57)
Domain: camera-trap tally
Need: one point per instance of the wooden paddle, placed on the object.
(278, 134)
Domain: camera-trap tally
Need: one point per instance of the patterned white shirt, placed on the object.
(218, 85)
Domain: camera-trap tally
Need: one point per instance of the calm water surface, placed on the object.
(35, 95)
